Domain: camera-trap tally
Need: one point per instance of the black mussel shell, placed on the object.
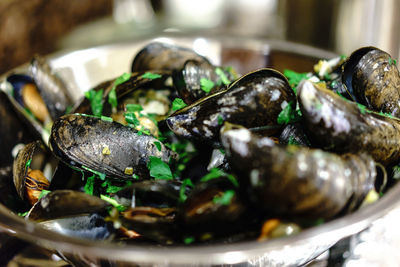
(188, 80)
(150, 193)
(254, 100)
(52, 89)
(118, 151)
(33, 155)
(161, 56)
(298, 182)
(373, 78)
(294, 134)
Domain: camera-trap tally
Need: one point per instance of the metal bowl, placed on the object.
(85, 68)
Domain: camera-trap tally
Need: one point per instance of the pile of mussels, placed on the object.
(180, 151)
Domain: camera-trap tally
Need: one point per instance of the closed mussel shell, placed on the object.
(254, 100)
(108, 147)
(298, 182)
(373, 78)
(161, 56)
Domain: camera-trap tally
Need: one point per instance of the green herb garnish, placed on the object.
(151, 76)
(392, 61)
(288, 114)
(222, 76)
(23, 214)
(95, 98)
(178, 104)
(225, 199)
(28, 164)
(220, 120)
(89, 186)
(188, 240)
(101, 175)
(43, 193)
(131, 118)
(113, 202)
(133, 108)
(158, 145)
(182, 190)
(206, 85)
(294, 78)
(112, 98)
(216, 173)
(159, 169)
(362, 108)
(105, 118)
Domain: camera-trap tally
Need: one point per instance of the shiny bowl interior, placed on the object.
(83, 69)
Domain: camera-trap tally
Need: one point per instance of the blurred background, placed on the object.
(40, 26)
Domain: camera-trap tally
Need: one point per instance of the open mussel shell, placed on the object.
(161, 56)
(372, 76)
(153, 193)
(28, 168)
(118, 151)
(254, 100)
(339, 125)
(136, 81)
(298, 182)
(212, 206)
(52, 89)
(188, 80)
(73, 213)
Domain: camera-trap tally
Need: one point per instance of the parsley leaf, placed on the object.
(43, 193)
(216, 173)
(113, 202)
(294, 78)
(188, 240)
(131, 118)
(225, 199)
(178, 104)
(182, 190)
(288, 114)
(133, 108)
(159, 169)
(158, 145)
(95, 99)
(89, 186)
(101, 175)
(105, 118)
(206, 85)
(222, 76)
(151, 76)
(220, 120)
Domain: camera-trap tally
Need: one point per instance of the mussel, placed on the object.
(118, 151)
(337, 124)
(373, 78)
(254, 100)
(295, 181)
(73, 213)
(162, 56)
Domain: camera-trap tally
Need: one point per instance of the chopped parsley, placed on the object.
(392, 61)
(101, 175)
(151, 76)
(158, 145)
(222, 76)
(159, 169)
(43, 193)
(89, 186)
(206, 85)
(111, 188)
(131, 118)
(217, 173)
(95, 98)
(23, 214)
(105, 118)
(362, 108)
(182, 190)
(28, 164)
(294, 78)
(220, 120)
(113, 202)
(288, 114)
(178, 104)
(188, 240)
(112, 95)
(133, 108)
(225, 199)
